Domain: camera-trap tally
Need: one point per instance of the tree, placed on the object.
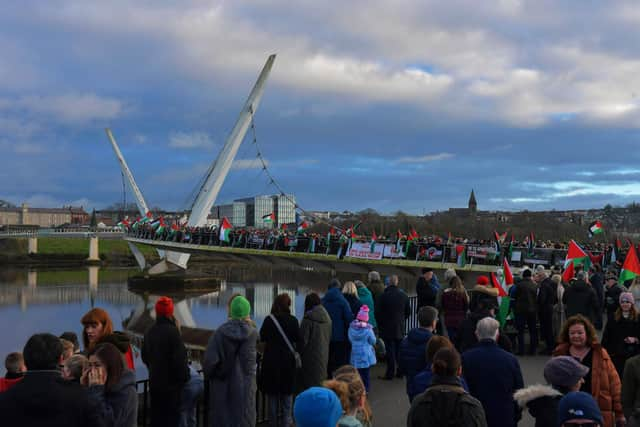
(94, 221)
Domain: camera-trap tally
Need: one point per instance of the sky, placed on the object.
(392, 105)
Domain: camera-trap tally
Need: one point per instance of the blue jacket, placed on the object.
(422, 381)
(362, 341)
(339, 311)
(411, 355)
(493, 375)
(366, 298)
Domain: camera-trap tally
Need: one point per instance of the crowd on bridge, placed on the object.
(458, 362)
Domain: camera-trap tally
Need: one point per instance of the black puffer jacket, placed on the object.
(542, 402)
(165, 355)
(580, 298)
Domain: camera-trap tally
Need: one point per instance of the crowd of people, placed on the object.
(458, 364)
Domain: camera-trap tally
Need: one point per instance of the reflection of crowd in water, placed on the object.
(458, 363)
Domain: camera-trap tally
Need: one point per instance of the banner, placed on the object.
(363, 251)
(390, 251)
(432, 253)
(481, 251)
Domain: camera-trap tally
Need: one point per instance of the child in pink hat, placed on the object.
(362, 340)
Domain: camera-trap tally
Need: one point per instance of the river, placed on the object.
(33, 301)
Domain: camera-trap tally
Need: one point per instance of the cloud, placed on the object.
(425, 159)
(70, 108)
(563, 189)
(190, 140)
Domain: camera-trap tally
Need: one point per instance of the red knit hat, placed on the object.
(482, 281)
(164, 307)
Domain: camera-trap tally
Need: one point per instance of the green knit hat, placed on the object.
(240, 307)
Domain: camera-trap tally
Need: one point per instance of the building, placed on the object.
(249, 212)
(264, 205)
(42, 217)
(285, 209)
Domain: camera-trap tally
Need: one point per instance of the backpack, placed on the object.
(444, 406)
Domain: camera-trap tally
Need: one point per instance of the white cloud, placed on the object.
(72, 108)
(425, 159)
(190, 140)
(562, 189)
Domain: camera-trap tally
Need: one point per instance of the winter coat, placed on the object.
(580, 298)
(493, 376)
(230, 366)
(122, 343)
(542, 402)
(278, 372)
(315, 331)
(9, 381)
(605, 382)
(349, 421)
(525, 298)
(559, 315)
(392, 311)
(354, 304)
(483, 297)
(631, 386)
(362, 340)
(340, 312)
(422, 380)
(377, 288)
(612, 299)
(597, 283)
(366, 298)
(439, 400)
(43, 398)
(412, 353)
(118, 404)
(635, 291)
(454, 306)
(165, 355)
(427, 291)
(546, 296)
(467, 339)
(615, 331)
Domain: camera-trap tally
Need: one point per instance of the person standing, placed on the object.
(427, 288)
(362, 340)
(597, 283)
(483, 294)
(493, 375)
(375, 286)
(315, 331)
(340, 312)
(350, 293)
(454, 304)
(621, 336)
(230, 367)
(546, 299)
(525, 309)
(411, 357)
(366, 298)
(14, 364)
(165, 355)
(279, 331)
(580, 298)
(392, 311)
(612, 296)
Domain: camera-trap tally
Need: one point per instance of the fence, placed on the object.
(202, 410)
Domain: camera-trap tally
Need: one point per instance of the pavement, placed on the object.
(390, 404)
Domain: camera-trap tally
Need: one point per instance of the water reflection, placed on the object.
(54, 301)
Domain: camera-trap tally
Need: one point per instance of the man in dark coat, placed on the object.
(467, 338)
(525, 309)
(375, 286)
(612, 296)
(547, 298)
(165, 355)
(43, 398)
(340, 312)
(411, 356)
(427, 288)
(597, 283)
(493, 375)
(392, 311)
(580, 298)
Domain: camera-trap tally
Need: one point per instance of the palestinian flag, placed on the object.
(531, 243)
(124, 224)
(156, 223)
(312, 245)
(595, 228)
(374, 238)
(161, 226)
(269, 218)
(284, 227)
(449, 239)
(510, 249)
(147, 218)
(631, 266)
(225, 230)
(136, 224)
(503, 284)
(174, 228)
(413, 235)
(303, 226)
(461, 251)
(575, 256)
(499, 240)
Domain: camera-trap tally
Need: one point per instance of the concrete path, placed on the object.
(390, 404)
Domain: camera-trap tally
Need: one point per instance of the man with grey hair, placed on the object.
(493, 375)
(375, 286)
(391, 312)
(580, 298)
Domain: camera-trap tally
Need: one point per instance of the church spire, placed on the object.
(473, 205)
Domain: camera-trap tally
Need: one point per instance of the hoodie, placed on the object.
(366, 298)
(362, 341)
(339, 311)
(412, 353)
(482, 297)
(118, 404)
(542, 402)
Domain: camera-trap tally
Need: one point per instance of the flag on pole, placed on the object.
(147, 218)
(269, 218)
(461, 251)
(503, 283)
(374, 238)
(631, 266)
(411, 238)
(302, 226)
(531, 243)
(124, 224)
(225, 230)
(575, 256)
(595, 228)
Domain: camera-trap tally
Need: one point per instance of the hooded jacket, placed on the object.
(278, 372)
(542, 402)
(340, 312)
(230, 366)
(165, 355)
(483, 297)
(580, 298)
(118, 405)
(412, 353)
(315, 335)
(362, 340)
(366, 298)
(525, 297)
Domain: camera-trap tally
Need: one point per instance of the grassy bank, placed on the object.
(108, 248)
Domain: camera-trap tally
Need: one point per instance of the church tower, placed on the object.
(473, 205)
